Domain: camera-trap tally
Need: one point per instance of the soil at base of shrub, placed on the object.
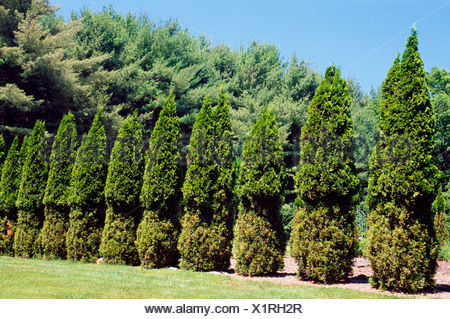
(359, 280)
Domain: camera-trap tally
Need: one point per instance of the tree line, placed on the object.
(241, 175)
(127, 63)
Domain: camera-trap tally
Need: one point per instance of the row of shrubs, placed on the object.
(141, 209)
(138, 208)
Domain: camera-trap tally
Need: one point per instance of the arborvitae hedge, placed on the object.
(324, 240)
(9, 187)
(9, 183)
(87, 198)
(30, 195)
(401, 244)
(52, 239)
(259, 238)
(123, 186)
(439, 219)
(159, 229)
(204, 241)
(225, 200)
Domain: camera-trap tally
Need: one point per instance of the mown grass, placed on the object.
(33, 278)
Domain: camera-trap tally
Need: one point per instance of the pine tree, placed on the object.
(402, 180)
(259, 238)
(204, 241)
(87, 198)
(439, 219)
(323, 240)
(30, 195)
(123, 186)
(9, 187)
(159, 229)
(52, 239)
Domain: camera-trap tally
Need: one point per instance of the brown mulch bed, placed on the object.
(359, 280)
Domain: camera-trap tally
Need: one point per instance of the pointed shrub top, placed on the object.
(97, 127)
(34, 171)
(124, 180)
(9, 182)
(221, 115)
(405, 106)
(167, 124)
(329, 110)
(204, 118)
(62, 159)
(326, 169)
(263, 138)
(263, 170)
(162, 177)
(90, 168)
(412, 44)
(201, 149)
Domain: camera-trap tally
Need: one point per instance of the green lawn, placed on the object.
(33, 278)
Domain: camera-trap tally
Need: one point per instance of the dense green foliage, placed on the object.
(158, 232)
(439, 86)
(323, 240)
(402, 180)
(225, 201)
(123, 186)
(205, 239)
(260, 241)
(440, 220)
(9, 182)
(23, 152)
(9, 187)
(52, 239)
(2, 151)
(41, 76)
(127, 65)
(87, 198)
(30, 195)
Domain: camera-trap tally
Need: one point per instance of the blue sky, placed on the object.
(361, 37)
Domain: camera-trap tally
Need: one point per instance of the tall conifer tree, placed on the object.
(401, 243)
(87, 198)
(260, 241)
(9, 183)
(31, 192)
(9, 187)
(204, 242)
(52, 239)
(123, 186)
(323, 240)
(225, 203)
(159, 229)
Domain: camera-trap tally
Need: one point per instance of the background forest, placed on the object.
(130, 63)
